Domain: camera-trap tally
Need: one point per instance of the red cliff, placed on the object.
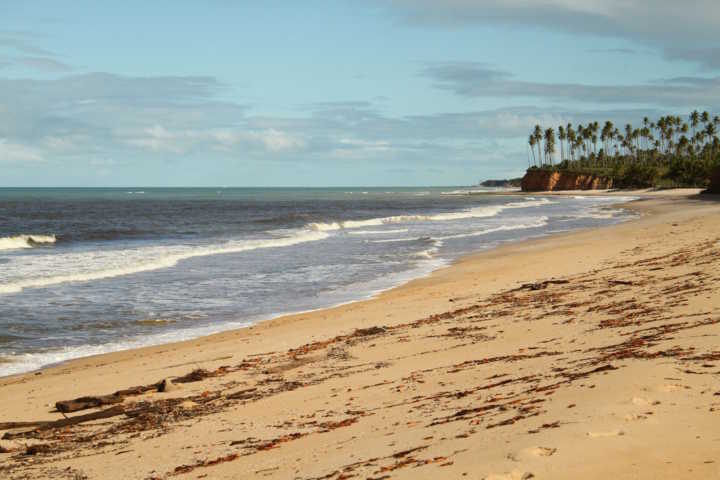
(545, 180)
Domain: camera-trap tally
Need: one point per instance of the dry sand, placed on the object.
(482, 370)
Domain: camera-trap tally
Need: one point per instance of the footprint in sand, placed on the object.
(514, 475)
(672, 387)
(532, 452)
(542, 451)
(609, 433)
(644, 402)
(632, 417)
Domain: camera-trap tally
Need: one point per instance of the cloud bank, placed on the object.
(472, 79)
(675, 28)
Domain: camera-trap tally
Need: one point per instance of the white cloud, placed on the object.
(15, 152)
(682, 30)
(472, 79)
(270, 140)
(659, 22)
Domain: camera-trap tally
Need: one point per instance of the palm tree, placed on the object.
(594, 127)
(570, 134)
(537, 133)
(562, 136)
(531, 141)
(710, 132)
(606, 134)
(694, 120)
(549, 144)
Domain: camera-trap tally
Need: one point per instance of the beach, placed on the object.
(588, 354)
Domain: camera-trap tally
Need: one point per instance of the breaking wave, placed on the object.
(540, 222)
(156, 260)
(378, 232)
(477, 212)
(25, 241)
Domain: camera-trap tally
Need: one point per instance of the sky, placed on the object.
(330, 93)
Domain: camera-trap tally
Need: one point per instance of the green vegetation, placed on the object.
(666, 153)
(508, 183)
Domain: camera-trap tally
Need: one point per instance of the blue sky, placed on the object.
(375, 92)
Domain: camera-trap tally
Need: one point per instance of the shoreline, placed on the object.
(314, 393)
(371, 295)
(375, 296)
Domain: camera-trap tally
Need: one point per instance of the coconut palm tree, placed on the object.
(531, 142)
(711, 132)
(570, 134)
(549, 144)
(537, 133)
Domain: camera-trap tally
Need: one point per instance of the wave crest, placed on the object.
(168, 260)
(477, 212)
(25, 241)
(540, 222)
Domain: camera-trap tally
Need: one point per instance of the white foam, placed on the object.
(477, 212)
(378, 232)
(598, 212)
(395, 240)
(540, 222)
(404, 239)
(25, 241)
(153, 259)
(430, 252)
(31, 361)
(21, 363)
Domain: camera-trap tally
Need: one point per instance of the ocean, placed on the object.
(88, 271)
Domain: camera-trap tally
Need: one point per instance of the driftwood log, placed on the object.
(93, 401)
(67, 406)
(66, 422)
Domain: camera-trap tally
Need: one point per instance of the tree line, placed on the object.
(673, 149)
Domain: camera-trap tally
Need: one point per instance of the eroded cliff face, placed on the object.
(543, 180)
(714, 182)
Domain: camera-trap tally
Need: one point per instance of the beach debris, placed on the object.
(365, 332)
(166, 385)
(338, 353)
(196, 376)
(5, 449)
(39, 448)
(205, 463)
(14, 425)
(67, 422)
(82, 403)
(516, 389)
(540, 285)
(603, 368)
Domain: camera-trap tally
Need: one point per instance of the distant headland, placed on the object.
(506, 183)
